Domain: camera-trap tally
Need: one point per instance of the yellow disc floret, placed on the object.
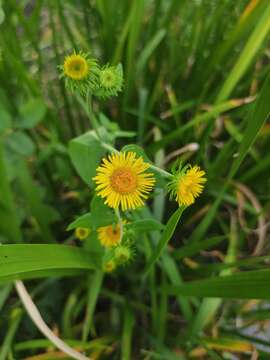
(109, 266)
(123, 181)
(76, 67)
(82, 233)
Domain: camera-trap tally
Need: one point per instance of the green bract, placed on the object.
(110, 81)
(123, 254)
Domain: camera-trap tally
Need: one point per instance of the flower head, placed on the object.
(110, 81)
(187, 184)
(109, 235)
(81, 72)
(82, 233)
(109, 266)
(122, 180)
(123, 254)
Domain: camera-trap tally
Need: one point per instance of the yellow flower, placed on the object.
(187, 185)
(109, 235)
(122, 180)
(109, 266)
(76, 67)
(81, 233)
(80, 72)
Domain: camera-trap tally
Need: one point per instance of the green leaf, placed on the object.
(165, 238)
(36, 207)
(193, 248)
(35, 260)
(14, 322)
(247, 55)
(2, 15)
(145, 225)
(84, 221)
(203, 118)
(94, 288)
(149, 49)
(10, 222)
(129, 322)
(256, 119)
(137, 149)
(32, 113)
(20, 143)
(170, 267)
(85, 152)
(102, 215)
(5, 119)
(5, 291)
(241, 285)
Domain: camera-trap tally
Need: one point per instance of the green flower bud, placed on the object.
(110, 81)
(109, 266)
(123, 254)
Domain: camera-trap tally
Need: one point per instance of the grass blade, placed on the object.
(247, 55)
(256, 120)
(93, 292)
(243, 285)
(127, 334)
(15, 320)
(166, 236)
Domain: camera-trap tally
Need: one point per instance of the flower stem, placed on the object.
(91, 114)
(161, 171)
(117, 213)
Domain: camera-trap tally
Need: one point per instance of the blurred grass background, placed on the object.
(193, 69)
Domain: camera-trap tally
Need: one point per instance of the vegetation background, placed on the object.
(196, 86)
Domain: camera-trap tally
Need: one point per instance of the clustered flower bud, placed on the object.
(83, 74)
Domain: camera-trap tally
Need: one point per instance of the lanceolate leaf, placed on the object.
(242, 285)
(84, 221)
(165, 238)
(144, 225)
(256, 120)
(85, 152)
(36, 260)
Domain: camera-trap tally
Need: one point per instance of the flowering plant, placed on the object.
(123, 179)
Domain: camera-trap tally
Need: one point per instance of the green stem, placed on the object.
(161, 171)
(94, 123)
(120, 222)
(91, 115)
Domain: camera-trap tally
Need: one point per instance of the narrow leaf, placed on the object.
(33, 260)
(165, 238)
(242, 285)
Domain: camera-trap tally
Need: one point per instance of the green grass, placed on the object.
(194, 72)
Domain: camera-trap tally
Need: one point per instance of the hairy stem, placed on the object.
(91, 114)
(120, 222)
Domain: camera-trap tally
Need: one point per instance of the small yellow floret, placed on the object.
(109, 266)
(81, 233)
